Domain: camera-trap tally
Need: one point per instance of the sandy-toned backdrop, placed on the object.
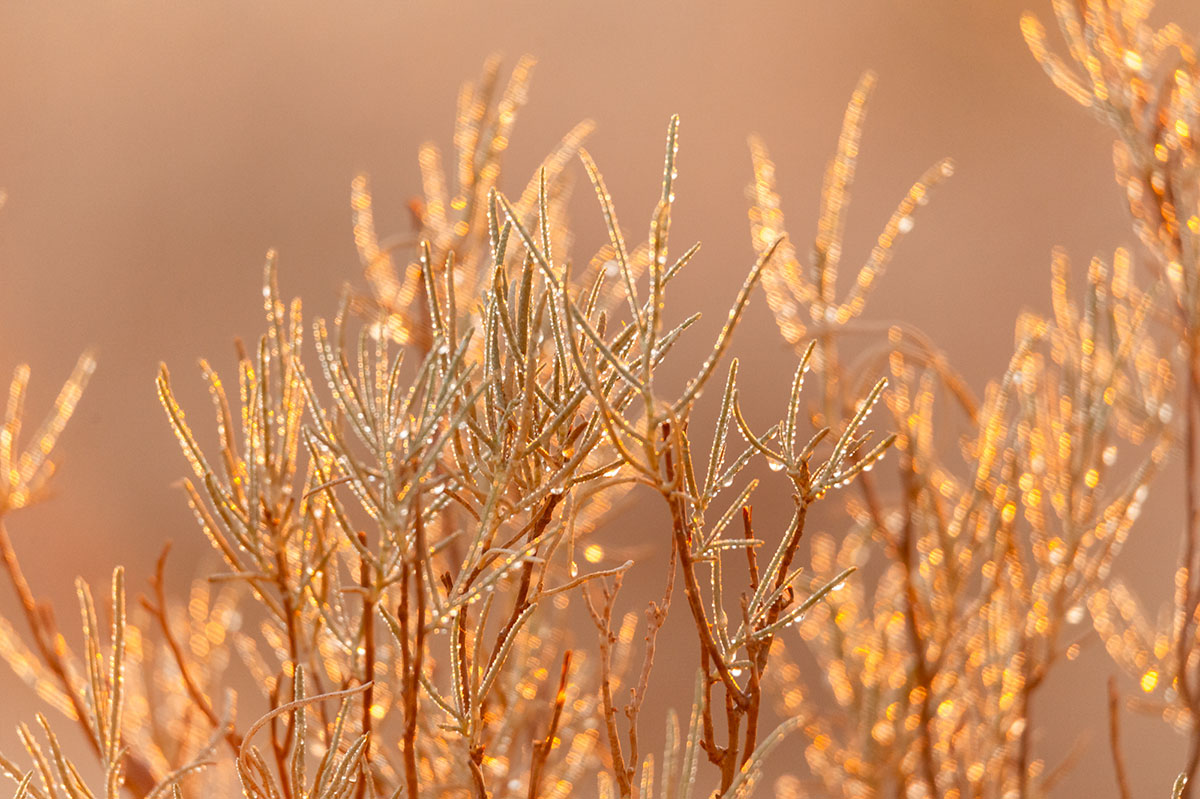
(152, 152)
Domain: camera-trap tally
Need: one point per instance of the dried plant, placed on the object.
(991, 549)
(1141, 81)
(402, 507)
(405, 512)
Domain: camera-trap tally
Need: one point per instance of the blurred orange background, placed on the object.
(153, 152)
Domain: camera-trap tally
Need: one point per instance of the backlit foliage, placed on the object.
(413, 507)
(1142, 81)
(412, 502)
(994, 542)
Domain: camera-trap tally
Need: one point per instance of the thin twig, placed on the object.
(47, 640)
(1114, 738)
(542, 749)
(158, 610)
(602, 618)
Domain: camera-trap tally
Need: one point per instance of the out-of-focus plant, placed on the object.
(1142, 81)
(402, 514)
(997, 532)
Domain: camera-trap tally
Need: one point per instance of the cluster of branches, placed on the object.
(1000, 544)
(1142, 82)
(407, 509)
(405, 513)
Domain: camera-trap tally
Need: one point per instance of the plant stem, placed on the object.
(1114, 738)
(52, 651)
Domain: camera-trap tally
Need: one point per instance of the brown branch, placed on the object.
(522, 599)
(656, 616)
(923, 678)
(691, 588)
(757, 651)
(781, 604)
(681, 536)
(416, 659)
(1191, 593)
(408, 689)
(52, 651)
(1033, 677)
(542, 749)
(708, 741)
(1114, 738)
(44, 631)
(368, 630)
(737, 702)
(412, 652)
(729, 761)
(476, 757)
(754, 692)
(602, 618)
(751, 555)
(280, 748)
(158, 610)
